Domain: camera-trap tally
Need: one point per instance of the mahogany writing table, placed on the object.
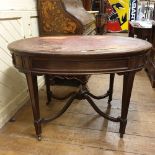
(79, 55)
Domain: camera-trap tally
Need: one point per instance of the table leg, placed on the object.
(128, 80)
(111, 85)
(48, 91)
(33, 91)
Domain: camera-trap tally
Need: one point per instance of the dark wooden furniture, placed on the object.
(149, 35)
(140, 32)
(79, 55)
(154, 12)
(64, 17)
(101, 17)
(150, 66)
(87, 4)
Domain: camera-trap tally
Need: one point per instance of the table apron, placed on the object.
(51, 65)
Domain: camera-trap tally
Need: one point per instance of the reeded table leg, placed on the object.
(111, 85)
(48, 91)
(33, 91)
(127, 89)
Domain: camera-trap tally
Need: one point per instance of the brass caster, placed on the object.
(39, 138)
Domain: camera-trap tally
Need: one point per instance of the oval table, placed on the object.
(79, 55)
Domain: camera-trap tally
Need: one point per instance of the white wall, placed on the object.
(18, 19)
(18, 5)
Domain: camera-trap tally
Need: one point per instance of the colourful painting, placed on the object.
(118, 15)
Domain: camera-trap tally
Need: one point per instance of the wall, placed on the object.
(18, 19)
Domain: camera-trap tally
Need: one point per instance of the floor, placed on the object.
(80, 131)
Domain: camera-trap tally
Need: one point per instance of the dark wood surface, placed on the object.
(150, 66)
(85, 46)
(64, 18)
(87, 4)
(101, 17)
(146, 34)
(80, 55)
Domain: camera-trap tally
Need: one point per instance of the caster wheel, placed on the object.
(39, 138)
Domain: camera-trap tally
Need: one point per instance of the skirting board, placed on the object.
(14, 105)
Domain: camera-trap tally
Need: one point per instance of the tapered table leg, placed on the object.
(48, 91)
(33, 91)
(127, 89)
(111, 85)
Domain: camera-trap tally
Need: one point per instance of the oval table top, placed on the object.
(80, 45)
(79, 54)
